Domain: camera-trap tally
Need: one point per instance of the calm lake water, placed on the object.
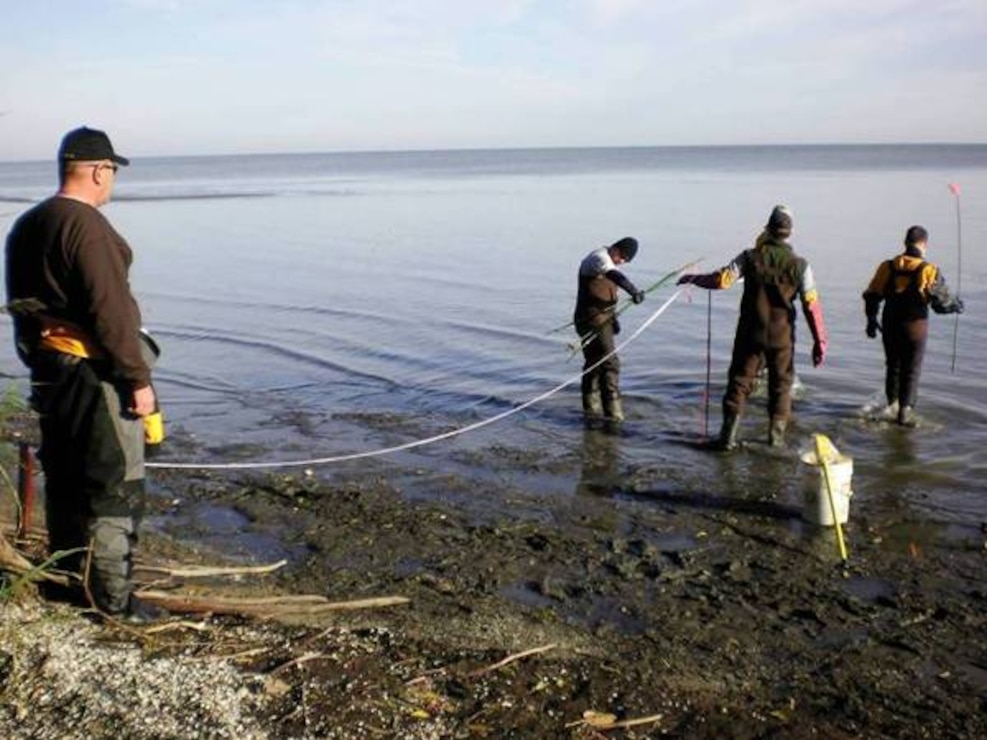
(312, 305)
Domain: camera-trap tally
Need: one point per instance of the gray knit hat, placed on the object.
(780, 222)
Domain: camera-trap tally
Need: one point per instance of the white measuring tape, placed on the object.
(419, 442)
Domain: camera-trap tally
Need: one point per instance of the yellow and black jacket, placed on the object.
(908, 286)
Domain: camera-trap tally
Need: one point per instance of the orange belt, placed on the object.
(67, 338)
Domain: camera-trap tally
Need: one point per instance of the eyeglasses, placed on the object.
(103, 166)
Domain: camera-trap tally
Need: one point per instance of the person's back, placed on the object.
(596, 293)
(65, 255)
(772, 275)
(906, 291)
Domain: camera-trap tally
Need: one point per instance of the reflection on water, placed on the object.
(599, 474)
(428, 292)
(900, 451)
(228, 531)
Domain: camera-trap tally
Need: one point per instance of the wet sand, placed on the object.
(728, 617)
(710, 615)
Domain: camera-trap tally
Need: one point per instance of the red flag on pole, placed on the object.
(955, 190)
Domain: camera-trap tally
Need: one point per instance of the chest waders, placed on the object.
(595, 305)
(93, 456)
(764, 338)
(905, 330)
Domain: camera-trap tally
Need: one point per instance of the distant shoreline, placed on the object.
(555, 150)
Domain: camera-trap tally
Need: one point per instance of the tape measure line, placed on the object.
(419, 442)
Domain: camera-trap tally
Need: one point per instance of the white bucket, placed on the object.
(816, 508)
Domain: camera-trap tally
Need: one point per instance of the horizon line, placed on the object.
(561, 148)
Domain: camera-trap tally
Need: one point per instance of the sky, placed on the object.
(172, 77)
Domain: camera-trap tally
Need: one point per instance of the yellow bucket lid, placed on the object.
(823, 451)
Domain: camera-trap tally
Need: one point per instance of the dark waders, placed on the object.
(92, 455)
(601, 386)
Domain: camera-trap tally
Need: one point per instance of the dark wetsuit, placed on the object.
(908, 286)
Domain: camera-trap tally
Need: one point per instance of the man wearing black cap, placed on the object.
(596, 323)
(907, 285)
(77, 327)
(773, 277)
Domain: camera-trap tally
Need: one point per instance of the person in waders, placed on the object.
(774, 276)
(78, 328)
(596, 324)
(908, 286)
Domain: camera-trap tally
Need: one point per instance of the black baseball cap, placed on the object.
(88, 145)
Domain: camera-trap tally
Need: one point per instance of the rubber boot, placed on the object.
(144, 612)
(728, 433)
(776, 432)
(613, 409)
(906, 416)
(592, 403)
(110, 566)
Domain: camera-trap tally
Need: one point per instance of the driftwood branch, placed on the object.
(511, 658)
(601, 721)
(242, 655)
(206, 571)
(306, 658)
(12, 561)
(175, 626)
(262, 607)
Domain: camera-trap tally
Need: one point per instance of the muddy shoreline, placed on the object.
(712, 616)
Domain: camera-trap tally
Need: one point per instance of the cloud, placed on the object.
(606, 12)
(396, 73)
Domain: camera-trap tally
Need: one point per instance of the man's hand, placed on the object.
(818, 354)
(872, 328)
(687, 278)
(143, 401)
(638, 296)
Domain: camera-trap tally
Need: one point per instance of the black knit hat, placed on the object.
(915, 235)
(88, 145)
(626, 246)
(780, 222)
